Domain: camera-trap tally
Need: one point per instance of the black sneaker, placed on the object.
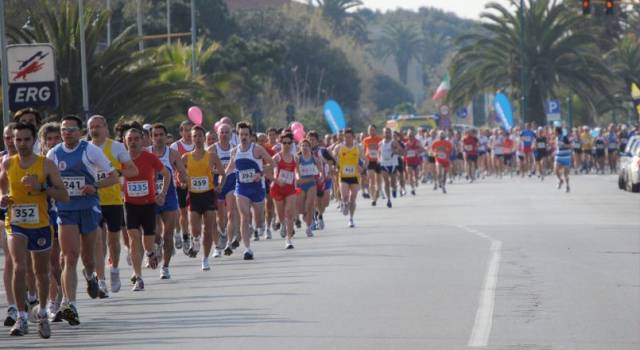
(235, 244)
(133, 279)
(373, 203)
(394, 194)
(12, 316)
(413, 192)
(388, 203)
(298, 223)
(20, 328)
(70, 314)
(228, 251)
(58, 317)
(248, 255)
(93, 288)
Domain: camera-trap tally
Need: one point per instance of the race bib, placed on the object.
(600, 146)
(159, 184)
(542, 145)
(411, 153)
(526, 139)
(386, 154)
(468, 148)
(613, 145)
(441, 155)
(308, 170)
(73, 184)
(247, 176)
(373, 153)
(24, 214)
(138, 188)
(286, 176)
(349, 171)
(200, 183)
(101, 175)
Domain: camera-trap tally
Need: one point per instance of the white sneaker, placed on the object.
(321, 224)
(205, 264)
(164, 273)
(351, 224)
(309, 232)
(288, 244)
(269, 236)
(217, 253)
(345, 209)
(102, 289)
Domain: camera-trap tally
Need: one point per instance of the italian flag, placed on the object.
(443, 89)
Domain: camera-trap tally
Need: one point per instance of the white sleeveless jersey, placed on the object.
(388, 158)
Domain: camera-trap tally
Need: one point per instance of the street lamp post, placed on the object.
(83, 62)
(109, 23)
(523, 62)
(6, 113)
(193, 39)
(168, 22)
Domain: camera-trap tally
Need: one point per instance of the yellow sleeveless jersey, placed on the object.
(199, 171)
(348, 162)
(28, 208)
(111, 195)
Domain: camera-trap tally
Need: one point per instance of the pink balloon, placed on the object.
(298, 131)
(195, 115)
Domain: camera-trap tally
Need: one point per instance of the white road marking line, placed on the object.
(486, 301)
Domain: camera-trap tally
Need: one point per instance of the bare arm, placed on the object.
(178, 165)
(231, 167)
(266, 158)
(216, 163)
(4, 183)
(129, 169)
(56, 190)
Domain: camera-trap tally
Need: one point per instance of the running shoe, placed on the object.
(444, 190)
(288, 244)
(55, 314)
(20, 328)
(217, 253)
(413, 192)
(195, 247)
(92, 284)
(164, 273)
(568, 190)
(12, 316)
(139, 285)
(44, 330)
(309, 232)
(159, 251)
(70, 314)
(32, 307)
(102, 289)
(373, 203)
(276, 226)
(133, 279)
(268, 234)
(186, 246)
(177, 240)
(256, 237)
(248, 255)
(345, 212)
(298, 223)
(235, 244)
(560, 184)
(153, 260)
(228, 251)
(283, 231)
(389, 203)
(351, 224)
(320, 223)
(115, 280)
(205, 264)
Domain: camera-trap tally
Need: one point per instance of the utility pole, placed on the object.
(523, 62)
(6, 113)
(168, 22)
(83, 62)
(194, 67)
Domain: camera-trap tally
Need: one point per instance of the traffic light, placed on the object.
(586, 7)
(609, 6)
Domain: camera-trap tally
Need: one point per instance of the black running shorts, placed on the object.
(113, 216)
(202, 202)
(182, 197)
(141, 217)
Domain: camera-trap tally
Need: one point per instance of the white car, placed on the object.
(629, 177)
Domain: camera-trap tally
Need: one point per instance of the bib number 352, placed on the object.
(24, 214)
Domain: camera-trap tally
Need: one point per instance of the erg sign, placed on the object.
(32, 76)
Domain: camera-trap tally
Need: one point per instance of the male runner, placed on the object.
(78, 219)
(228, 215)
(200, 165)
(182, 146)
(470, 145)
(389, 151)
(24, 182)
(350, 157)
(110, 203)
(527, 137)
(140, 200)
(167, 213)
(247, 162)
(442, 149)
(413, 160)
(371, 145)
(7, 275)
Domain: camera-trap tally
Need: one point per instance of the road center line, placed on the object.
(484, 315)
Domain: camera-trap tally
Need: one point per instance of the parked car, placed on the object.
(629, 176)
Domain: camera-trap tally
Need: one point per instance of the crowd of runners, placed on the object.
(71, 192)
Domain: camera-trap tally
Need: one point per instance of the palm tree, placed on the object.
(342, 18)
(121, 79)
(557, 55)
(403, 42)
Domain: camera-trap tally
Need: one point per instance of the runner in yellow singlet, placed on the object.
(351, 161)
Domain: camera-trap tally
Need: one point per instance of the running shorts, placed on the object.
(375, 166)
(540, 154)
(256, 195)
(350, 180)
(390, 169)
(472, 157)
(229, 186)
(202, 202)
(141, 216)
(182, 197)
(86, 219)
(38, 239)
(170, 202)
(112, 215)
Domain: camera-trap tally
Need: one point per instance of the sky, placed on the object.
(463, 8)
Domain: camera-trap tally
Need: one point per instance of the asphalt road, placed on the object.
(500, 264)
